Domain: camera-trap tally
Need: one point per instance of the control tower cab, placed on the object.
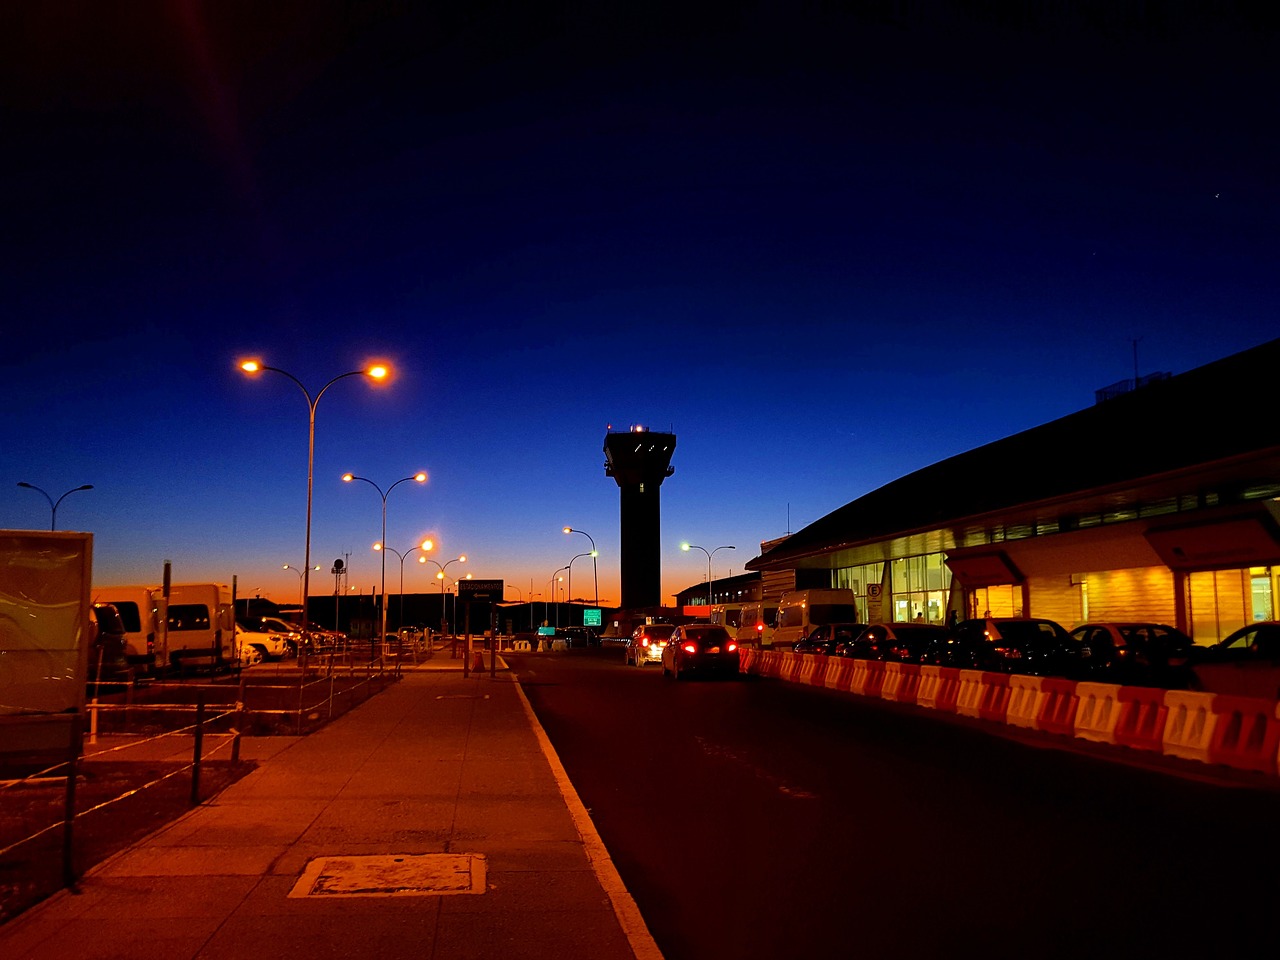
(639, 460)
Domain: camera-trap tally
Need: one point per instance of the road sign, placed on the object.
(591, 617)
(480, 590)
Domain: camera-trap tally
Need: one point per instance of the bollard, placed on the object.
(195, 765)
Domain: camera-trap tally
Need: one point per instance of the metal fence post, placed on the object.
(195, 765)
(69, 814)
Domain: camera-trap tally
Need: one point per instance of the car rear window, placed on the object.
(659, 630)
(707, 636)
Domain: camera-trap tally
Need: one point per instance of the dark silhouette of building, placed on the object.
(639, 461)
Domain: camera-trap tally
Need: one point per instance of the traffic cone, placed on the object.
(478, 665)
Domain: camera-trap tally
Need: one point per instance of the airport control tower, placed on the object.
(640, 460)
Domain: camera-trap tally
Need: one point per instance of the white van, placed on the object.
(756, 622)
(201, 625)
(799, 611)
(142, 611)
(727, 615)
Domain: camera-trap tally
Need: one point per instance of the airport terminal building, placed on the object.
(1161, 502)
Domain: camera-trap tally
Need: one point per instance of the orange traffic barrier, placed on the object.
(858, 676)
(792, 665)
(892, 681)
(875, 678)
(1141, 721)
(1025, 695)
(812, 667)
(746, 657)
(995, 697)
(1188, 730)
(1246, 735)
(837, 675)
(909, 686)
(1058, 702)
(930, 682)
(948, 689)
(1097, 712)
(969, 698)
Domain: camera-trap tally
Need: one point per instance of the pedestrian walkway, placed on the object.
(433, 823)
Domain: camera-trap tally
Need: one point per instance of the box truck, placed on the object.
(799, 611)
(200, 626)
(142, 609)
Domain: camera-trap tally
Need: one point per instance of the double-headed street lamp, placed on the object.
(555, 578)
(53, 504)
(424, 545)
(693, 546)
(419, 477)
(594, 553)
(301, 600)
(441, 576)
(376, 372)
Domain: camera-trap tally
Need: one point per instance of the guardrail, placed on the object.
(1238, 732)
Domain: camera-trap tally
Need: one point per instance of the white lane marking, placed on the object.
(624, 907)
(724, 753)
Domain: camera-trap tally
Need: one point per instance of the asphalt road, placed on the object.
(757, 819)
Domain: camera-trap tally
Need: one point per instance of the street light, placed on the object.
(419, 477)
(444, 622)
(53, 505)
(376, 372)
(424, 545)
(570, 584)
(555, 578)
(301, 599)
(594, 553)
(693, 546)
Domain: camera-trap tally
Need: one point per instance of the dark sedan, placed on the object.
(1010, 645)
(700, 648)
(1246, 663)
(897, 642)
(1136, 653)
(826, 638)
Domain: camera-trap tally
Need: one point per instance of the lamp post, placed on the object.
(301, 600)
(424, 545)
(53, 504)
(555, 578)
(693, 546)
(419, 477)
(570, 584)
(376, 372)
(442, 567)
(594, 553)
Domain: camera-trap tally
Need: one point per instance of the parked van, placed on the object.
(142, 612)
(727, 615)
(756, 622)
(201, 625)
(799, 611)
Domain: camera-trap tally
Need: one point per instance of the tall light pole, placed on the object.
(301, 601)
(442, 567)
(419, 477)
(570, 584)
(376, 372)
(594, 553)
(53, 504)
(693, 546)
(555, 578)
(424, 545)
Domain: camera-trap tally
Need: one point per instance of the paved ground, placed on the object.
(433, 822)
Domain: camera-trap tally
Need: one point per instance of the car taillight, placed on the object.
(759, 628)
(644, 641)
(690, 648)
(730, 647)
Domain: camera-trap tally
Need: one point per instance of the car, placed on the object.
(825, 637)
(647, 643)
(108, 651)
(1245, 663)
(700, 648)
(253, 644)
(291, 632)
(1026, 645)
(582, 636)
(893, 641)
(1136, 653)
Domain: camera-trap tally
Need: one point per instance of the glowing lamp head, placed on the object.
(377, 546)
(684, 547)
(426, 545)
(463, 558)
(378, 372)
(250, 366)
(420, 476)
(348, 477)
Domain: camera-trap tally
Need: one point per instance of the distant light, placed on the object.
(568, 529)
(685, 547)
(250, 366)
(378, 372)
(421, 477)
(426, 545)
(348, 477)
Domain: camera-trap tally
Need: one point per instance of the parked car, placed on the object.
(1138, 654)
(108, 651)
(699, 647)
(898, 642)
(1245, 663)
(647, 643)
(1009, 645)
(824, 638)
(582, 636)
(253, 645)
(290, 632)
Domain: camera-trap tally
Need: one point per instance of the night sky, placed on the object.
(824, 247)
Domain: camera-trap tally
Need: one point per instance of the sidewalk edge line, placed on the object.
(633, 926)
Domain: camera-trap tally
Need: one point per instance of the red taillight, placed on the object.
(644, 641)
(759, 628)
(730, 647)
(690, 648)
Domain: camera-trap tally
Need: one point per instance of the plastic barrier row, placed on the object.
(1239, 732)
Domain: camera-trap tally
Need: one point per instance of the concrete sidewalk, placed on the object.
(450, 832)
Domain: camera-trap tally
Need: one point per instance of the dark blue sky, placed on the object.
(824, 247)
